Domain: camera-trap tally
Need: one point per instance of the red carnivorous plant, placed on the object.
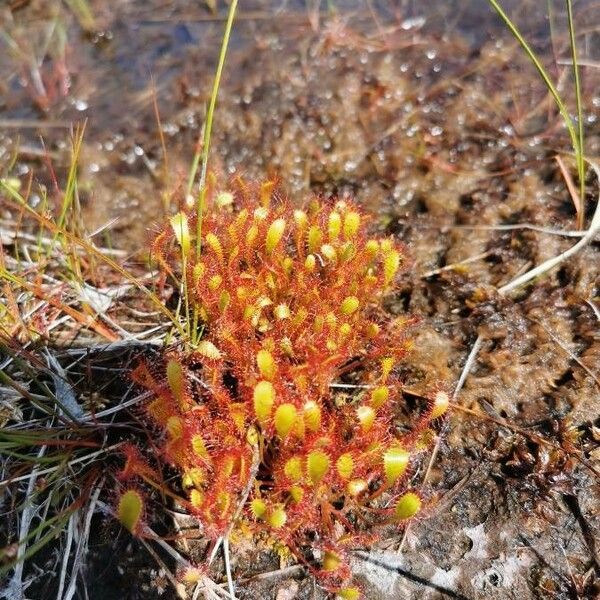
(282, 416)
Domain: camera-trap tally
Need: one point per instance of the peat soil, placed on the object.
(432, 118)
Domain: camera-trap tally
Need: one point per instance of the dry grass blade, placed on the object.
(14, 589)
(63, 390)
(66, 555)
(228, 568)
(572, 190)
(82, 544)
(553, 262)
(18, 202)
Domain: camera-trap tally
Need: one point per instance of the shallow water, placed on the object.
(343, 100)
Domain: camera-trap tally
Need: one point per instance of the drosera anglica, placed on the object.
(288, 302)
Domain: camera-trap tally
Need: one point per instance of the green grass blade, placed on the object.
(82, 11)
(545, 77)
(580, 155)
(208, 126)
(53, 527)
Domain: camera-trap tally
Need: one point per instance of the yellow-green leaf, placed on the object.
(174, 427)
(350, 305)
(209, 350)
(440, 404)
(285, 417)
(395, 462)
(277, 518)
(179, 223)
(351, 224)
(379, 396)
(348, 593)
(312, 416)
(334, 225)
(408, 506)
(345, 465)
(293, 468)
(331, 561)
(264, 398)
(196, 498)
(391, 263)
(301, 219)
(315, 237)
(274, 234)
(296, 494)
(198, 446)
(258, 508)
(130, 509)
(328, 251)
(282, 311)
(356, 487)
(175, 378)
(212, 241)
(317, 465)
(366, 417)
(387, 364)
(265, 363)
